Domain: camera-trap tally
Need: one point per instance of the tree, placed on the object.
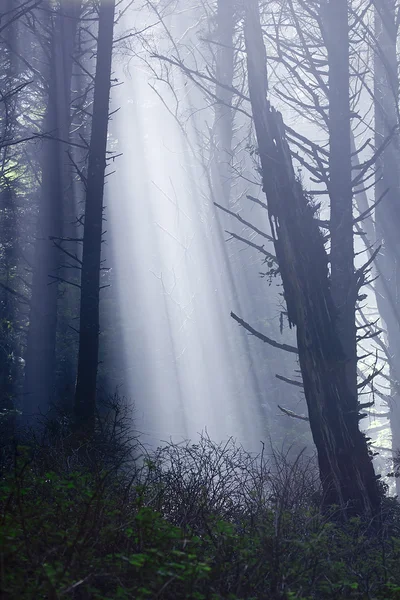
(387, 196)
(217, 70)
(40, 370)
(85, 393)
(321, 307)
(11, 332)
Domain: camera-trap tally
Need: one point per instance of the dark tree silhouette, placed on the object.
(85, 394)
(320, 307)
(40, 370)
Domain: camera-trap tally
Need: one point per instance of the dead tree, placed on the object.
(85, 393)
(305, 61)
(321, 308)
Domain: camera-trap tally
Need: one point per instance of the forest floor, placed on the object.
(110, 520)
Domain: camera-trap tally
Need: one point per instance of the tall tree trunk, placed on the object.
(69, 296)
(85, 394)
(345, 465)
(343, 281)
(40, 367)
(9, 313)
(387, 213)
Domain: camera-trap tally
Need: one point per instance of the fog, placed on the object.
(188, 365)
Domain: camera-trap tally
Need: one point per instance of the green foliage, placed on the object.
(61, 533)
(152, 531)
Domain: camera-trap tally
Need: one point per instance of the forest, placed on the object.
(200, 299)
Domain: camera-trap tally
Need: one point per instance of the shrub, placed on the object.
(199, 521)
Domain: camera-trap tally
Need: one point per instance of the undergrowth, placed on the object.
(110, 520)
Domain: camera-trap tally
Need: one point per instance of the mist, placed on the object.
(199, 223)
(188, 365)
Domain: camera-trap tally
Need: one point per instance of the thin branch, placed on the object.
(263, 337)
(292, 414)
(290, 381)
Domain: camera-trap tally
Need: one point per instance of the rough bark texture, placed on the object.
(346, 469)
(85, 394)
(387, 213)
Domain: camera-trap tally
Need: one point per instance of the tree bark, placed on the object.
(85, 394)
(326, 350)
